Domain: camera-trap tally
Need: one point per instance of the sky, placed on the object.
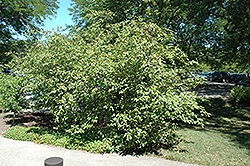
(62, 17)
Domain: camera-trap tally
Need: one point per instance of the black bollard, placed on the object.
(53, 161)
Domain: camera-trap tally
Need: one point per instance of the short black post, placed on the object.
(53, 161)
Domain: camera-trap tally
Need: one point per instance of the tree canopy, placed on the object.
(212, 31)
(19, 17)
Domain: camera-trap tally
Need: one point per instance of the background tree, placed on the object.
(236, 44)
(19, 17)
(212, 31)
(224, 25)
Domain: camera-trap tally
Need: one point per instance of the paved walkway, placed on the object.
(215, 90)
(21, 153)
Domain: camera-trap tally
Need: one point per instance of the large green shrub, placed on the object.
(117, 83)
(240, 95)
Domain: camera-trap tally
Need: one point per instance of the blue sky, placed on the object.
(62, 17)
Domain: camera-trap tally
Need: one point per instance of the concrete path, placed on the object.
(215, 90)
(21, 153)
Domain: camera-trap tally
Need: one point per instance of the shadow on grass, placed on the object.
(229, 119)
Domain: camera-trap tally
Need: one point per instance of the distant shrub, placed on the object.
(240, 95)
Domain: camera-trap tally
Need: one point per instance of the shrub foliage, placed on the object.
(115, 83)
(240, 95)
(11, 90)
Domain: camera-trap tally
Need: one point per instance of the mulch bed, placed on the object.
(38, 119)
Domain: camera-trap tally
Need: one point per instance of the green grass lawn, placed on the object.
(208, 148)
(225, 139)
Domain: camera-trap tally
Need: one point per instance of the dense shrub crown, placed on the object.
(117, 83)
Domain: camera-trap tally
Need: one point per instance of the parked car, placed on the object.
(201, 75)
(8, 72)
(28, 100)
(245, 83)
(187, 75)
(221, 76)
(234, 78)
(208, 75)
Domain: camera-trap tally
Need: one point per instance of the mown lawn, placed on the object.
(225, 139)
